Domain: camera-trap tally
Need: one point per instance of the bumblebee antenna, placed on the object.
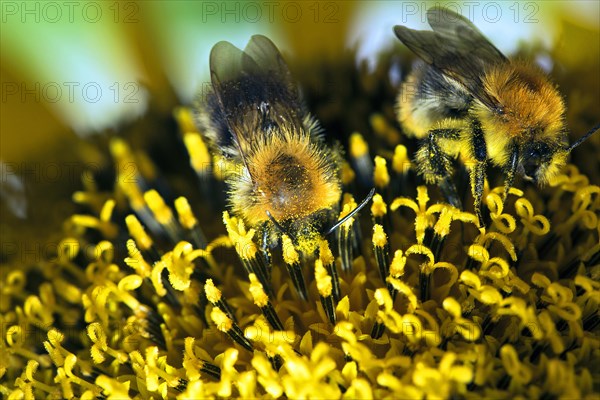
(583, 138)
(279, 227)
(347, 217)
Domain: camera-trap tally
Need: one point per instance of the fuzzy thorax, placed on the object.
(290, 174)
(530, 110)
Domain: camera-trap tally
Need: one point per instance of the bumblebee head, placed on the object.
(307, 232)
(540, 161)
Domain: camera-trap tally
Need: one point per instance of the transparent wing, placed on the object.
(226, 67)
(279, 89)
(455, 47)
(254, 90)
(245, 80)
(269, 60)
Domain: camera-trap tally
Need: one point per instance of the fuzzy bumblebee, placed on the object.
(469, 101)
(285, 179)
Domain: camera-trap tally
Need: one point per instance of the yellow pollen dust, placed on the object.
(242, 239)
(223, 322)
(397, 265)
(212, 293)
(256, 290)
(378, 207)
(379, 236)
(325, 253)
(323, 279)
(290, 255)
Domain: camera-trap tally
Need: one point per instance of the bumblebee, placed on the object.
(286, 178)
(470, 101)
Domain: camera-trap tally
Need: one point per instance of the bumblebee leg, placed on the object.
(510, 170)
(265, 246)
(477, 183)
(478, 171)
(436, 166)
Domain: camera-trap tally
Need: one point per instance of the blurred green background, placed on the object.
(81, 67)
(75, 70)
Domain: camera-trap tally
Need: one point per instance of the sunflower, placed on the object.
(143, 285)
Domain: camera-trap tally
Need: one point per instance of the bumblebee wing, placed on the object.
(254, 85)
(455, 47)
(254, 92)
(468, 39)
(280, 91)
(269, 60)
(260, 58)
(228, 65)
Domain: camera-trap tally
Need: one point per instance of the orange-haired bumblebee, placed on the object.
(287, 178)
(468, 99)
